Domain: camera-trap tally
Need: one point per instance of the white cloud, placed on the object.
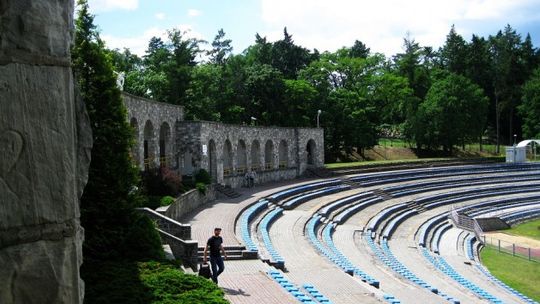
(194, 13)
(111, 5)
(139, 44)
(160, 16)
(382, 24)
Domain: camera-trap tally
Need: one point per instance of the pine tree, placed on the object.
(113, 229)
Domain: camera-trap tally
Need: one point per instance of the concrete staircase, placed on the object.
(233, 253)
(414, 205)
(227, 191)
(382, 194)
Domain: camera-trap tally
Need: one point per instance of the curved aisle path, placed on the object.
(246, 282)
(305, 265)
(347, 239)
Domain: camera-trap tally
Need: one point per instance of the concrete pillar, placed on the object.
(45, 144)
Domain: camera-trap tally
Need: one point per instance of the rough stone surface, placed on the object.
(45, 143)
(189, 201)
(152, 121)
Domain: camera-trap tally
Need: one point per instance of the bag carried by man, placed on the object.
(204, 271)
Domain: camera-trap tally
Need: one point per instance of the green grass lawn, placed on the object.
(529, 229)
(380, 162)
(518, 273)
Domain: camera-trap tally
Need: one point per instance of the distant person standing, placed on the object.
(215, 245)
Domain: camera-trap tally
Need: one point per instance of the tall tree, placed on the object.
(221, 48)
(454, 53)
(454, 112)
(359, 50)
(530, 108)
(113, 228)
(505, 56)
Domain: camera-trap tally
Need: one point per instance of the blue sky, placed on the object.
(321, 24)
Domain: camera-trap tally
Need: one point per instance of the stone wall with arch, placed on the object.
(226, 151)
(156, 147)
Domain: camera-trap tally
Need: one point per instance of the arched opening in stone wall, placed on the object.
(283, 154)
(187, 163)
(269, 155)
(164, 145)
(311, 150)
(135, 148)
(241, 157)
(212, 159)
(148, 145)
(227, 158)
(255, 156)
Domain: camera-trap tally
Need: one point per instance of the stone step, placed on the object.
(227, 191)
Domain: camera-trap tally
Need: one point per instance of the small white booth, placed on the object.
(518, 153)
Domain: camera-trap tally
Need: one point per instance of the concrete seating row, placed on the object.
(441, 264)
(247, 216)
(332, 253)
(504, 286)
(376, 220)
(436, 239)
(312, 291)
(384, 254)
(356, 207)
(462, 182)
(291, 288)
(418, 174)
(520, 216)
(289, 204)
(390, 227)
(327, 209)
(426, 228)
(264, 226)
(281, 195)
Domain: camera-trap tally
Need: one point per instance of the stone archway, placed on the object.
(149, 145)
(227, 158)
(283, 154)
(212, 159)
(269, 155)
(255, 155)
(241, 157)
(164, 145)
(311, 150)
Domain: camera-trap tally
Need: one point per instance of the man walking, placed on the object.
(215, 245)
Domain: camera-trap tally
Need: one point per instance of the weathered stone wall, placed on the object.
(45, 143)
(189, 201)
(229, 151)
(152, 122)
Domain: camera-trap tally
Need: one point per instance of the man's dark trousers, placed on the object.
(215, 262)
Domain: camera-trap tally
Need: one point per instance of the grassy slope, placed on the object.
(530, 229)
(517, 273)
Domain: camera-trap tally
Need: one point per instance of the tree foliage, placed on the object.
(284, 84)
(113, 228)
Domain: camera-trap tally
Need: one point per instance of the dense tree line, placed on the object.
(477, 91)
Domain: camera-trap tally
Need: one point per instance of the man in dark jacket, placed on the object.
(215, 245)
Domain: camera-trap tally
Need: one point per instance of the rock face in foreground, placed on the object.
(45, 142)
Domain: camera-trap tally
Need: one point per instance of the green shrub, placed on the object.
(166, 200)
(146, 282)
(201, 187)
(202, 176)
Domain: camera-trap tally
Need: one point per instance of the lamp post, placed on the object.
(515, 136)
(253, 120)
(318, 114)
